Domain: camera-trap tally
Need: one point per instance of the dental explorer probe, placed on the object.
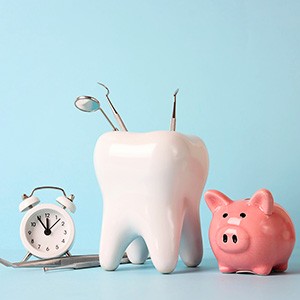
(173, 119)
(84, 265)
(116, 115)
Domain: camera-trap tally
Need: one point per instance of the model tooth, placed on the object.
(151, 185)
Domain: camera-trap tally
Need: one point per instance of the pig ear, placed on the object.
(215, 199)
(264, 200)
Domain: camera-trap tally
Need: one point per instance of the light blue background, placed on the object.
(236, 64)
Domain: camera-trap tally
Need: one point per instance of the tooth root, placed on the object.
(112, 247)
(137, 251)
(191, 248)
(164, 244)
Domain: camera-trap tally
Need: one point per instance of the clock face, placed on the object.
(47, 231)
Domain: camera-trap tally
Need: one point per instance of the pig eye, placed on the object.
(242, 215)
(225, 215)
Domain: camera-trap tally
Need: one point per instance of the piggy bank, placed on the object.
(252, 235)
(151, 185)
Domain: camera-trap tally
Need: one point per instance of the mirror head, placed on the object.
(87, 103)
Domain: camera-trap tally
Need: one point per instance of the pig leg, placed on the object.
(262, 270)
(280, 267)
(226, 269)
(191, 249)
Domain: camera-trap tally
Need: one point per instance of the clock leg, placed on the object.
(27, 256)
(68, 253)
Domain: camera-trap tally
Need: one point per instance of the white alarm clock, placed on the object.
(47, 230)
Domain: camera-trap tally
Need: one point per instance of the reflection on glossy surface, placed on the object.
(123, 150)
(87, 103)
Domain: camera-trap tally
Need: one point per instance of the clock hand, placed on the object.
(54, 224)
(47, 229)
(40, 220)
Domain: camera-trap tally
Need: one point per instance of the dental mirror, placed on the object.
(91, 104)
(87, 103)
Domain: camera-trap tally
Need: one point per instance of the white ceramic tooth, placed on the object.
(151, 185)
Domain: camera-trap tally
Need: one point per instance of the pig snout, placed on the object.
(232, 239)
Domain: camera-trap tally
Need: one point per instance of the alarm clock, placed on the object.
(47, 230)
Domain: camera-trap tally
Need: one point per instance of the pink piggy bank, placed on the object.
(253, 235)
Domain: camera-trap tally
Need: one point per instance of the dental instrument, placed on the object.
(84, 265)
(51, 262)
(91, 104)
(67, 262)
(173, 119)
(116, 115)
